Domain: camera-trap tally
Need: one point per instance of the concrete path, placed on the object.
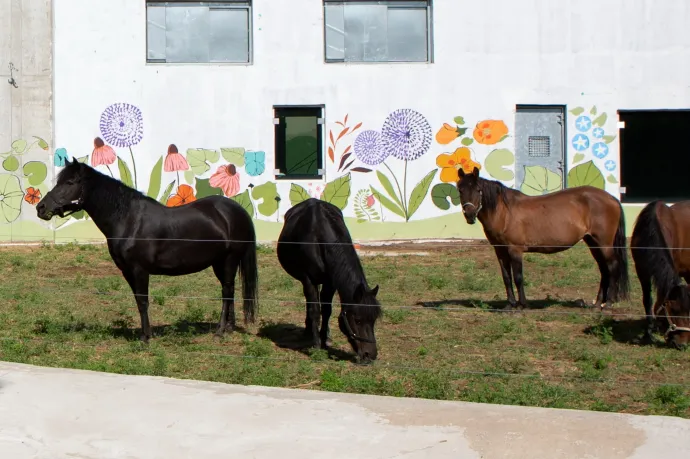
(54, 413)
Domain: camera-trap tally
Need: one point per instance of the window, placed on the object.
(377, 31)
(299, 142)
(194, 32)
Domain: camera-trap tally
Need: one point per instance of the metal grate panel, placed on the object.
(539, 146)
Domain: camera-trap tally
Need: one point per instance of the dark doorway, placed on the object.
(655, 155)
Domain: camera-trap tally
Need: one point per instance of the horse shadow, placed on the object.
(624, 331)
(500, 305)
(122, 330)
(291, 336)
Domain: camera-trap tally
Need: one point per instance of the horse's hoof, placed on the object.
(144, 339)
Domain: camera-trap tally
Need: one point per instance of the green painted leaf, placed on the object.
(497, 164)
(578, 157)
(609, 138)
(189, 176)
(81, 215)
(388, 186)
(540, 180)
(125, 174)
(83, 159)
(11, 163)
(467, 141)
(504, 137)
(204, 188)
(577, 111)
(297, 194)
(200, 160)
(600, 120)
(234, 155)
(611, 179)
(166, 193)
(245, 201)
(268, 192)
(593, 111)
(155, 179)
(440, 194)
(41, 143)
(337, 192)
(11, 195)
(387, 203)
(19, 146)
(36, 172)
(459, 120)
(586, 174)
(419, 192)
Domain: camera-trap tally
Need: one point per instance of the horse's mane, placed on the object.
(492, 192)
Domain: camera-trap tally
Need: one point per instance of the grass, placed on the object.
(68, 306)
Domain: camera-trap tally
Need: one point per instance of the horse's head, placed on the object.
(357, 321)
(676, 310)
(470, 194)
(67, 196)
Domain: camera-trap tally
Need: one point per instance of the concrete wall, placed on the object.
(592, 57)
(26, 112)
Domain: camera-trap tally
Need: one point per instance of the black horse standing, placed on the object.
(145, 237)
(315, 248)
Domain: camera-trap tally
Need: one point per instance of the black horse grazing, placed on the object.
(146, 237)
(315, 248)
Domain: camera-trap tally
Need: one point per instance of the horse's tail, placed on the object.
(650, 251)
(620, 281)
(250, 277)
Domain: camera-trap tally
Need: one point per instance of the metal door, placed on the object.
(539, 140)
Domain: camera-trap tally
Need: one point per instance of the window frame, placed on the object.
(212, 5)
(429, 31)
(279, 153)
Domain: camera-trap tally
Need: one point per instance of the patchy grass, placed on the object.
(440, 336)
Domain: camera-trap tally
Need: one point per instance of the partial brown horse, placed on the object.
(515, 223)
(660, 247)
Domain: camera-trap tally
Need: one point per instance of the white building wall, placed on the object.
(488, 57)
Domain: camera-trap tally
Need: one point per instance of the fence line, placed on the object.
(378, 365)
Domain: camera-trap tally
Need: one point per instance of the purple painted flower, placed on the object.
(368, 148)
(406, 134)
(122, 125)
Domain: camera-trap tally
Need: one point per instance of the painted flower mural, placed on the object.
(227, 178)
(102, 154)
(591, 140)
(451, 164)
(185, 195)
(369, 149)
(122, 125)
(490, 132)
(346, 160)
(406, 134)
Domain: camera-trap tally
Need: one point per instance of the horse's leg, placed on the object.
(311, 295)
(516, 266)
(601, 259)
(226, 271)
(646, 284)
(138, 281)
(326, 300)
(506, 273)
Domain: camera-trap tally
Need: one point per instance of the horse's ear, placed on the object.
(374, 291)
(475, 172)
(461, 173)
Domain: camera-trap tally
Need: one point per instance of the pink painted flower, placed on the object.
(102, 155)
(370, 200)
(226, 178)
(174, 161)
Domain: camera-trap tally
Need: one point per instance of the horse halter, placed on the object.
(470, 204)
(351, 334)
(671, 326)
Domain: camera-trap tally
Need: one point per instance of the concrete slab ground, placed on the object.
(56, 413)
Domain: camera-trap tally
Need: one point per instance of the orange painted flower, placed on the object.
(32, 196)
(490, 132)
(102, 155)
(226, 178)
(185, 195)
(447, 134)
(174, 161)
(450, 164)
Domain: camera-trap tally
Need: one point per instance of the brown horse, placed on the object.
(659, 246)
(515, 223)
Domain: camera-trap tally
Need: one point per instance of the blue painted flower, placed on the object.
(610, 165)
(598, 133)
(580, 142)
(60, 157)
(406, 134)
(368, 148)
(255, 162)
(122, 125)
(600, 150)
(583, 123)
